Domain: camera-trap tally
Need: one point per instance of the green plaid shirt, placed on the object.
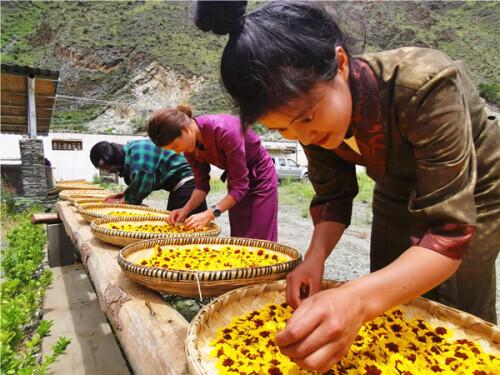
(149, 168)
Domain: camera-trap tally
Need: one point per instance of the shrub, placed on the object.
(490, 91)
(24, 281)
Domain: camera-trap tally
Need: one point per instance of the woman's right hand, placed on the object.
(305, 279)
(178, 215)
(114, 198)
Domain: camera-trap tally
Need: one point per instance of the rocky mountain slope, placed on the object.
(120, 60)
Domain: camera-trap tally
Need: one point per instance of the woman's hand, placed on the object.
(115, 198)
(305, 280)
(176, 216)
(322, 329)
(198, 221)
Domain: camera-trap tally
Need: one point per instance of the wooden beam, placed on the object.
(48, 218)
(150, 331)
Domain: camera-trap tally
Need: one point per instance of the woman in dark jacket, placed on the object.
(413, 118)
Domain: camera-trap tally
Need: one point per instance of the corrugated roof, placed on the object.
(14, 98)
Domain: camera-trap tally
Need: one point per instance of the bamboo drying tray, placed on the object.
(211, 283)
(222, 310)
(99, 211)
(74, 186)
(78, 201)
(67, 194)
(79, 182)
(123, 238)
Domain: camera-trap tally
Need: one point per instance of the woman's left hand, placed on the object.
(322, 329)
(198, 221)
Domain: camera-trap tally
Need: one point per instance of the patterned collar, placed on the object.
(365, 123)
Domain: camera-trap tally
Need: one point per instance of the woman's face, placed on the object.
(186, 142)
(320, 118)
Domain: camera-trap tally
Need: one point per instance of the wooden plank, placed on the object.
(18, 84)
(22, 129)
(151, 332)
(14, 83)
(9, 98)
(45, 87)
(8, 110)
(20, 120)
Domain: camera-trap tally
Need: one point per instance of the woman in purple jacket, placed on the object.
(252, 198)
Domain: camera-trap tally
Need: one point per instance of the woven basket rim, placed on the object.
(85, 210)
(65, 194)
(129, 266)
(95, 225)
(79, 187)
(192, 353)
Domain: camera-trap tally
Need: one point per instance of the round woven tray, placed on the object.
(222, 310)
(78, 182)
(61, 187)
(99, 211)
(123, 238)
(211, 283)
(87, 200)
(67, 194)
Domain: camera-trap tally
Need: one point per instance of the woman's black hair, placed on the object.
(107, 153)
(275, 53)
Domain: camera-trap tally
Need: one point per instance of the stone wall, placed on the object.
(33, 167)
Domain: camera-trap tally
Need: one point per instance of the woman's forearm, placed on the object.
(415, 272)
(324, 239)
(197, 198)
(226, 203)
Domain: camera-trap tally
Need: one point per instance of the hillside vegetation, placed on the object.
(98, 46)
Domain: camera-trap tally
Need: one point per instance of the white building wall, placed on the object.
(70, 165)
(67, 164)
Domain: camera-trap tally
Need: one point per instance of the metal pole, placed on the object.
(31, 107)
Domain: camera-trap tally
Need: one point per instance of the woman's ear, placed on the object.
(186, 130)
(342, 62)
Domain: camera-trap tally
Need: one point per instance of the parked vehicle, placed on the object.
(288, 168)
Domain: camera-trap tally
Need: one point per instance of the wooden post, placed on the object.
(31, 107)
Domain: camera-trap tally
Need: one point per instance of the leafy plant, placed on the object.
(490, 91)
(24, 281)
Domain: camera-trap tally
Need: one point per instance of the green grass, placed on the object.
(300, 194)
(74, 119)
(24, 281)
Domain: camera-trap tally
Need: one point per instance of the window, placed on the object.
(67, 144)
(291, 163)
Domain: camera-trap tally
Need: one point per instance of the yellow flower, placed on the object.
(390, 344)
(206, 258)
(152, 228)
(128, 213)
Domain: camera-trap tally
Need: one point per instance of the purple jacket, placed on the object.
(248, 165)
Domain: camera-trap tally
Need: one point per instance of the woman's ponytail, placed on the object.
(184, 108)
(220, 17)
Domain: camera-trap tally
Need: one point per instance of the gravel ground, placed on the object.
(349, 260)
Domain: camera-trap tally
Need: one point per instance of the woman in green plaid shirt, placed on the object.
(146, 168)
